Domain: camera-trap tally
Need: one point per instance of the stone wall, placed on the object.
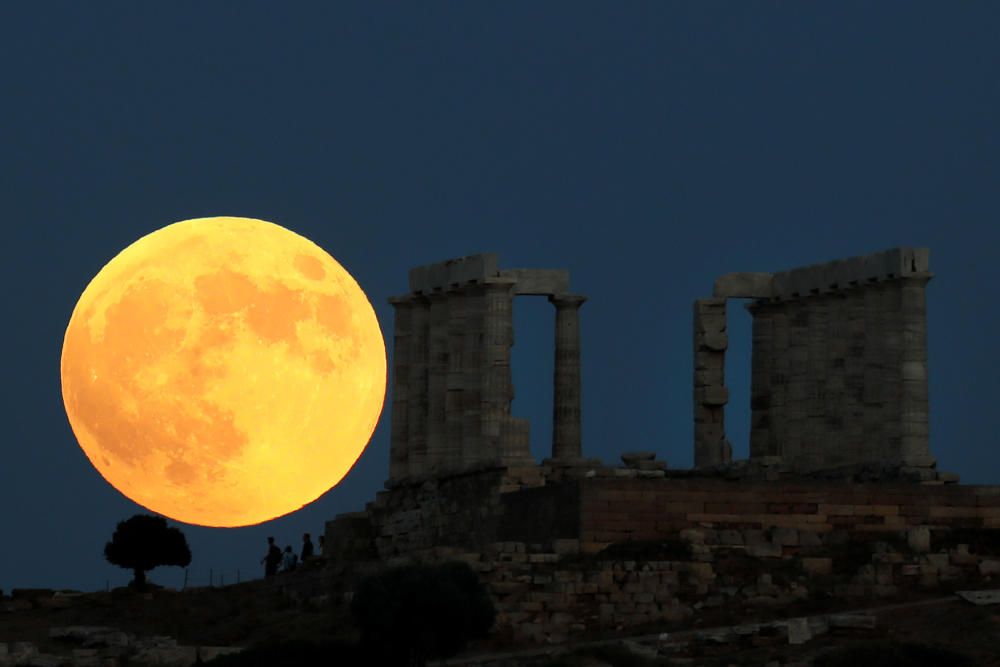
(593, 551)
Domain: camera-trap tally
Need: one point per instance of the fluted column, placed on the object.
(914, 405)
(399, 440)
(566, 436)
(454, 411)
(417, 387)
(437, 374)
(496, 383)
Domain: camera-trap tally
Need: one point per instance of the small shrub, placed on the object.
(412, 613)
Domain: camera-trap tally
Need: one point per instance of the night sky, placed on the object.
(648, 147)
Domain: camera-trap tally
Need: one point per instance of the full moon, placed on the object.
(223, 371)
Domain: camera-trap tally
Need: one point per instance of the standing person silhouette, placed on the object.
(289, 560)
(307, 548)
(272, 558)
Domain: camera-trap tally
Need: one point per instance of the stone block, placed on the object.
(919, 539)
(712, 395)
(989, 567)
(631, 459)
(538, 281)
(785, 536)
(817, 566)
(744, 285)
(717, 341)
(798, 631)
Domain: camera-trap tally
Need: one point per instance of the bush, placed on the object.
(412, 613)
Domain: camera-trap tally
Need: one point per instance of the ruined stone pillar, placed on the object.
(417, 389)
(710, 394)
(566, 432)
(914, 405)
(399, 440)
(437, 373)
(497, 386)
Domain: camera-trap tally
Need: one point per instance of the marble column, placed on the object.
(472, 376)
(399, 439)
(454, 412)
(566, 434)
(914, 405)
(417, 387)
(497, 384)
(437, 373)
(761, 356)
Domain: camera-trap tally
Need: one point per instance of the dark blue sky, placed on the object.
(647, 147)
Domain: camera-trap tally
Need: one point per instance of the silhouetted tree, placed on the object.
(412, 613)
(144, 542)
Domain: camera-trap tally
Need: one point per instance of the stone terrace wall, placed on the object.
(599, 554)
(645, 509)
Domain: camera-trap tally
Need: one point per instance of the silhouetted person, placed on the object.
(272, 558)
(307, 548)
(289, 560)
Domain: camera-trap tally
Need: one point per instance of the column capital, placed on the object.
(567, 300)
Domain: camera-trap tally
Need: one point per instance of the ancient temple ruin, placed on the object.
(452, 388)
(838, 367)
(571, 546)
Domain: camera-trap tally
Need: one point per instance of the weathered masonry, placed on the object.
(838, 368)
(452, 388)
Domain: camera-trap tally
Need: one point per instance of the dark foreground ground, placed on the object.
(252, 613)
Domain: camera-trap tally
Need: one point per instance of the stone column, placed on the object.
(814, 444)
(761, 363)
(797, 394)
(455, 380)
(566, 435)
(417, 387)
(497, 384)
(915, 408)
(777, 411)
(472, 372)
(437, 372)
(710, 393)
(854, 371)
(399, 440)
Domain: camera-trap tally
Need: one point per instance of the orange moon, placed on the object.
(223, 371)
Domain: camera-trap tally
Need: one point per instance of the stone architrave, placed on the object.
(566, 427)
